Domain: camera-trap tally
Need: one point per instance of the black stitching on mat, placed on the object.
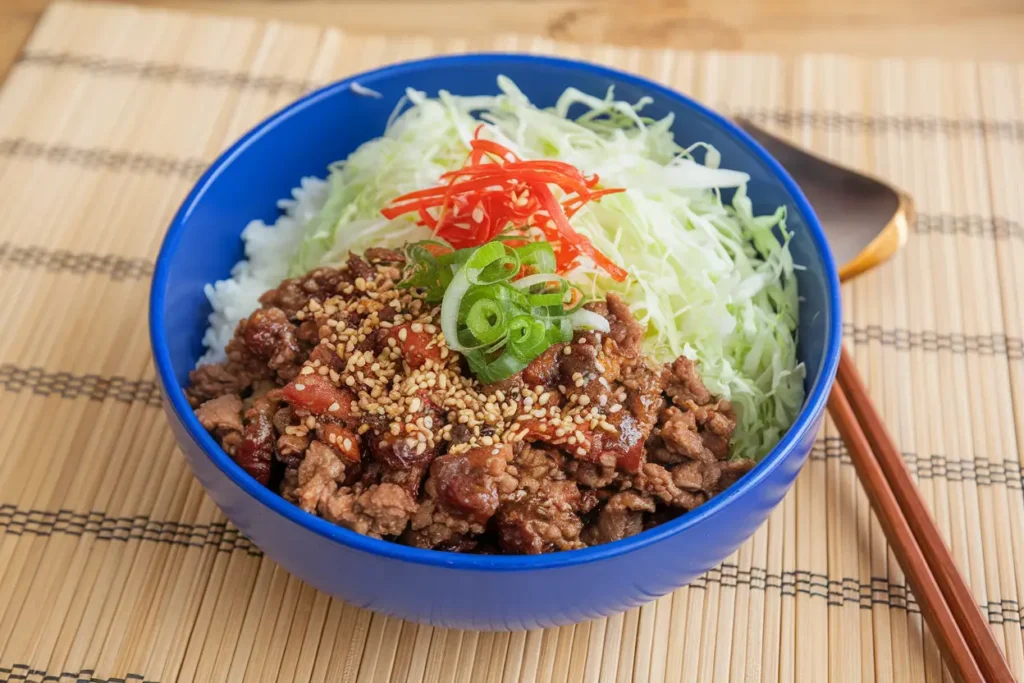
(35, 257)
(65, 522)
(1008, 472)
(44, 382)
(840, 592)
(828, 120)
(107, 159)
(970, 225)
(902, 339)
(81, 675)
(856, 122)
(193, 75)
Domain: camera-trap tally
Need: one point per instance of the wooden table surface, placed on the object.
(983, 29)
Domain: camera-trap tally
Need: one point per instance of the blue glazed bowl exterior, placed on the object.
(448, 589)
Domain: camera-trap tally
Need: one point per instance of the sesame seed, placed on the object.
(414, 405)
(307, 371)
(615, 408)
(584, 400)
(335, 377)
(417, 327)
(580, 451)
(347, 443)
(403, 334)
(350, 381)
(334, 407)
(300, 387)
(567, 350)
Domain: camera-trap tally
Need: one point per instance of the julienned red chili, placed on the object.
(495, 190)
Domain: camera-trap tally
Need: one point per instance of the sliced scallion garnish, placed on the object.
(501, 306)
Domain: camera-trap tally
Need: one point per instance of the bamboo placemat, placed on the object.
(115, 566)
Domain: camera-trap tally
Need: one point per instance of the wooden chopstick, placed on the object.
(946, 602)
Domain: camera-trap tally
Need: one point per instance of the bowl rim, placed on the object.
(814, 402)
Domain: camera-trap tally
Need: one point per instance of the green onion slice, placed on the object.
(486, 321)
(498, 323)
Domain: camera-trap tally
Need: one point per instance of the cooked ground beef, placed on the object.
(341, 394)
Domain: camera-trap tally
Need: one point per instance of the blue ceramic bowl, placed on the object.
(448, 589)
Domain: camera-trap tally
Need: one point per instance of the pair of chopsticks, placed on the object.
(963, 635)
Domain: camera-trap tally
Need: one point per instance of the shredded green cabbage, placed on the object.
(711, 281)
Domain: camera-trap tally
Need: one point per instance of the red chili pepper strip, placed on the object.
(496, 190)
(548, 201)
(491, 147)
(573, 205)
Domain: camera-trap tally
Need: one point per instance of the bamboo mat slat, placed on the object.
(115, 566)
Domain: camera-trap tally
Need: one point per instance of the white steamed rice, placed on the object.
(268, 249)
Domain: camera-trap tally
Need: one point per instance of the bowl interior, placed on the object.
(332, 123)
(246, 183)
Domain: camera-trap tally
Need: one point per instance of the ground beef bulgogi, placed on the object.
(341, 395)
